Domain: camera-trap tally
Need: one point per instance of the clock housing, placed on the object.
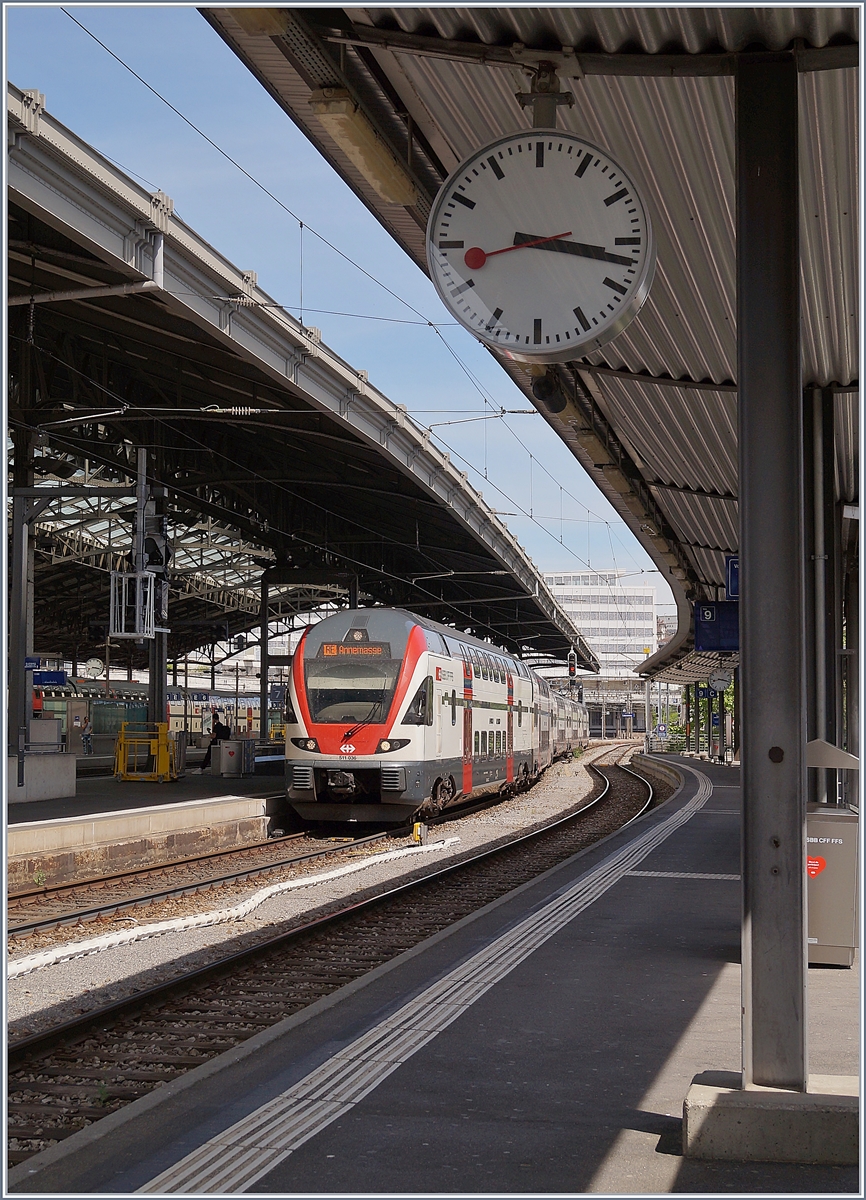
(541, 245)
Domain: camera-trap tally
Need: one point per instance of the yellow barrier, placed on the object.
(145, 752)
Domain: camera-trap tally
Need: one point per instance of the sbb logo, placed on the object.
(438, 673)
(347, 748)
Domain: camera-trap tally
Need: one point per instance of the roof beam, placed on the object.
(811, 58)
(704, 385)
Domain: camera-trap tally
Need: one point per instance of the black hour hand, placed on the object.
(579, 248)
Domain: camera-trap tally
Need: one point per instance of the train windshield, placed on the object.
(350, 691)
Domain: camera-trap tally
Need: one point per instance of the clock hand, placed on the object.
(475, 257)
(579, 248)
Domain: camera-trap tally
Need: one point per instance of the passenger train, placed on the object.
(390, 716)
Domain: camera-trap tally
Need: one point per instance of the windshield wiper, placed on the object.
(367, 720)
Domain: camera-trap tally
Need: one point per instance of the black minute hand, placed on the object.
(579, 248)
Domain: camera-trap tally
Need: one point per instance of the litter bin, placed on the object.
(231, 757)
(832, 869)
(180, 741)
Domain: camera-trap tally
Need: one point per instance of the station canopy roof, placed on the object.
(271, 457)
(654, 86)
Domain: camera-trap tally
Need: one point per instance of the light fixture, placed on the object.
(350, 129)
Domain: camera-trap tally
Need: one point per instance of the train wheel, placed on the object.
(444, 791)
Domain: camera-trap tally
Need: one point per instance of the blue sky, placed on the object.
(178, 53)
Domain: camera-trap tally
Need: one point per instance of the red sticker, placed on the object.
(814, 866)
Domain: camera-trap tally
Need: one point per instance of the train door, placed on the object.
(76, 716)
(467, 727)
(438, 710)
(509, 731)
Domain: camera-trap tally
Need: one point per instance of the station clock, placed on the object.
(541, 245)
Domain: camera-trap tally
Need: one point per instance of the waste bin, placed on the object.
(832, 869)
(231, 756)
(180, 742)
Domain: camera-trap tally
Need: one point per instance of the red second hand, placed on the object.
(475, 257)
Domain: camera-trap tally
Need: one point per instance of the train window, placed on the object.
(498, 743)
(476, 664)
(290, 717)
(477, 741)
(484, 742)
(420, 711)
(453, 707)
(519, 714)
(485, 667)
(350, 691)
(491, 745)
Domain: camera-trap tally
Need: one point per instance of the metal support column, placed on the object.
(158, 672)
(852, 680)
(264, 694)
(697, 718)
(18, 691)
(688, 721)
(771, 560)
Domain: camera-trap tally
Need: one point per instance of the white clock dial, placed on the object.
(541, 245)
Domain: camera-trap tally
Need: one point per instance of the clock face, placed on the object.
(541, 246)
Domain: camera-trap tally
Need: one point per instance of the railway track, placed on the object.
(77, 1073)
(103, 897)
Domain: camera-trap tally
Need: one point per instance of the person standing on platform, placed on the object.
(87, 737)
(220, 733)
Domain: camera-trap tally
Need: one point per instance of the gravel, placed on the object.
(64, 990)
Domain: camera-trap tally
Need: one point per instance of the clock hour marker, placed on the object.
(495, 168)
(497, 313)
(463, 200)
(617, 287)
(451, 245)
(578, 312)
(539, 154)
(584, 163)
(464, 287)
(536, 330)
(616, 196)
(631, 241)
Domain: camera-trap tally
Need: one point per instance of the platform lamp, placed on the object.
(350, 129)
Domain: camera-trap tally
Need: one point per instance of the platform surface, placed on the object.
(563, 1068)
(101, 794)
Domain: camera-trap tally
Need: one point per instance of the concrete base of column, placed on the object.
(727, 1123)
(46, 777)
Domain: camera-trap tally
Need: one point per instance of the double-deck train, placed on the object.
(389, 716)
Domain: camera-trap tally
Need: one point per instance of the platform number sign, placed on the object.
(717, 626)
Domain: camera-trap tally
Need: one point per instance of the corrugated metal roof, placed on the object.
(675, 137)
(652, 30)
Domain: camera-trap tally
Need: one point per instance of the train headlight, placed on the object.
(388, 744)
(305, 743)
